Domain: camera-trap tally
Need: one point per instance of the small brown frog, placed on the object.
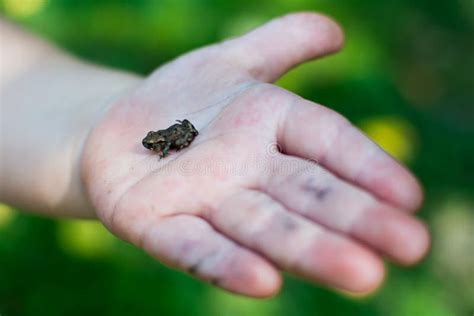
(177, 136)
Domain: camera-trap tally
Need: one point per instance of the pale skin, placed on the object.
(272, 182)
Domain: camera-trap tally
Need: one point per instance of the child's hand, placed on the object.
(272, 182)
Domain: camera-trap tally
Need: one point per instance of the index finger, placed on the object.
(315, 132)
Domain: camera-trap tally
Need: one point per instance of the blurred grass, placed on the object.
(405, 77)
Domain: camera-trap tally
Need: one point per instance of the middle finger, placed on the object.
(313, 192)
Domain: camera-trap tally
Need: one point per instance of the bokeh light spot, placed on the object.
(453, 242)
(394, 134)
(6, 215)
(23, 8)
(84, 238)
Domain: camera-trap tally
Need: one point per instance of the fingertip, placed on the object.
(251, 276)
(348, 266)
(416, 247)
(416, 196)
(400, 236)
(338, 37)
(367, 273)
(406, 189)
(395, 184)
(323, 33)
(267, 281)
(335, 37)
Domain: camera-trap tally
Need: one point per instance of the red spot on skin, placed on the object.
(248, 118)
(172, 183)
(188, 246)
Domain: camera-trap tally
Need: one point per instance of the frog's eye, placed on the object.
(149, 133)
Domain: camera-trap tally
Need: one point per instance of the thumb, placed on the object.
(271, 50)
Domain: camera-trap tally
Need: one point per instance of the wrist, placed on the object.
(104, 88)
(119, 85)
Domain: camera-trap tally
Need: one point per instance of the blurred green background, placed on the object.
(405, 77)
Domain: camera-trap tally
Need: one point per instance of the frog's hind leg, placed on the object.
(179, 142)
(184, 145)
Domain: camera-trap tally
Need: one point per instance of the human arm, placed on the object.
(49, 103)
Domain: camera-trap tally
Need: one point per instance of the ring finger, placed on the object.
(295, 244)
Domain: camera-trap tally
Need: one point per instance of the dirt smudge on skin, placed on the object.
(289, 224)
(320, 192)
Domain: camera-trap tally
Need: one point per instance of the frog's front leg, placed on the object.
(164, 151)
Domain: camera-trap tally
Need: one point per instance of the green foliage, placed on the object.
(405, 77)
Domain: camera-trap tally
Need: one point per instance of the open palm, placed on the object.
(271, 182)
